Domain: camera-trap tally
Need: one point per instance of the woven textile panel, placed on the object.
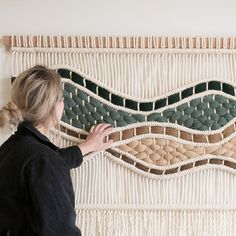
(171, 167)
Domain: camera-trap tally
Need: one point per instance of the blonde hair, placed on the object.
(34, 95)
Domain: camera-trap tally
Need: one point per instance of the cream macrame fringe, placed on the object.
(153, 223)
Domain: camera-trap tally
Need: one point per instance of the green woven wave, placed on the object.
(145, 106)
(208, 113)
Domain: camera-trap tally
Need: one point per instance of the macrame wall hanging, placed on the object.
(171, 168)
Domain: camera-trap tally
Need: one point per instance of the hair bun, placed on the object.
(10, 114)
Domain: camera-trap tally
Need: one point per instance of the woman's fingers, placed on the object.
(107, 144)
(100, 127)
(103, 127)
(97, 127)
(106, 132)
(107, 126)
(92, 129)
(98, 137)
(100, 132)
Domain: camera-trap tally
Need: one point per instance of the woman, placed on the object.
(36, 193)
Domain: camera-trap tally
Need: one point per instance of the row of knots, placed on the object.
(164, 152)
(210, 112)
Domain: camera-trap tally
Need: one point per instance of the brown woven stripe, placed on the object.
(130, 133)
(162, 152)
(174, 170)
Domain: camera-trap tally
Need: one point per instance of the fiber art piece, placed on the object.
(171, 168)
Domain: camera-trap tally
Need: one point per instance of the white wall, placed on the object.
(109, 17)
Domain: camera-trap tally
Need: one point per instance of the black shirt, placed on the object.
(36, 192)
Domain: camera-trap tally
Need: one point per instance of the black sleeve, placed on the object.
(72, 155)
(51, 211)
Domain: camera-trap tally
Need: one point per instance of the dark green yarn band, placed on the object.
(146, 106)
(208, 113)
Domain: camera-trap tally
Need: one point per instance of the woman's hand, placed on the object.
(95, 140)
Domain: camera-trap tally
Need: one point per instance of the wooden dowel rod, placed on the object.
(6, 41)
(121, 42)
